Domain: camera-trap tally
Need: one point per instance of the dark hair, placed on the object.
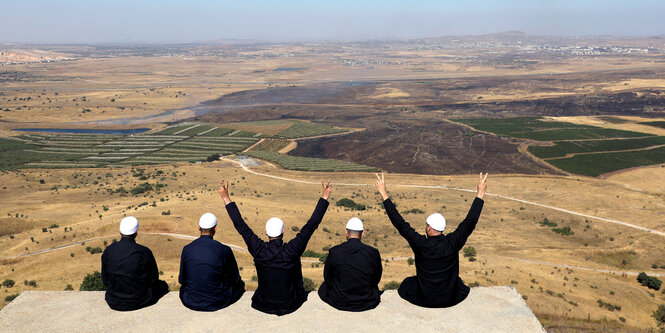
(207, 230)
(130, 236)
(354, 233)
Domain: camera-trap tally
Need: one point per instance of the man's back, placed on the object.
(278, 267)
(128, 272)
(352, 273)
(279, 271)
(208, 275)
(437, 282)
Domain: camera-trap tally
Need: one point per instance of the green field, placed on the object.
(535, 128)
(563, 148)
(600, 163)
(271, 145)
(601, 150)
(309, 164)
(659, 124)
(302, 129)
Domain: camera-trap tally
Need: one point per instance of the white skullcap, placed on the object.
(437, 222)
(354, 224)
(274, 227)
(129, 225)
(207, 221)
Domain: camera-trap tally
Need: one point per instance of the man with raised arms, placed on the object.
(129, 271)
(208, 271)
(352, 272)
(278, 267)
(437, 283)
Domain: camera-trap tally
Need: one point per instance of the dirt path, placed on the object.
(603, 152)
(563, 210)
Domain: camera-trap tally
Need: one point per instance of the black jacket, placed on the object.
(278, 268)
(208, 275)
(129, 272)
(352, 273)
(437, 281)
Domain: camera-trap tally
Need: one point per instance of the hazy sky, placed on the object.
(157, 21)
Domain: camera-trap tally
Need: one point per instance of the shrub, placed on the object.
(141, 188)
(547, 223)
(92, 282)
(10, 298)
(659, 315)
(44, 230)
(213, 157)
(69, 287)
(308, 284)
(469, 251)
(32, 283)
(323, 257)
(608, 306)
(312, 254)
(52, 226)
(348, 203)
(168, 212)
(294, 228)
(8, 283)
(410, 261)
(651, 282)
(563, 231)
(391, 285)
(413, 211)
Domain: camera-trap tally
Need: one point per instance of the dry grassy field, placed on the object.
(570, 244)
(513, 247)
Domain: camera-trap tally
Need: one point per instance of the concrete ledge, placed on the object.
(487, 309)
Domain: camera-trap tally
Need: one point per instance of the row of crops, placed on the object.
(188, 142)
(307, 163)
(271, 145)
(579, 149)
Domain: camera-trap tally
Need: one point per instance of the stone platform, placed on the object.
(487, 309)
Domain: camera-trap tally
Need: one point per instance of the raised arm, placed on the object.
(299, 243)
(464, 229)
(254, 243)
(397, 220)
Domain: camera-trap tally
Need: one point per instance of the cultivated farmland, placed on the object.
(535, 128)
(579, 149)
(304, 129)
(188, 142)
(271, 145)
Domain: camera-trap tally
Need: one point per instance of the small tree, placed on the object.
(392, 285)
(308, 284)
(8, 283)
(651, 282)
(92, 282)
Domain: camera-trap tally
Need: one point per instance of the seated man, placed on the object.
(278, 268)
(129, 271)
(208, 271)
(352, 272)
(437, 283)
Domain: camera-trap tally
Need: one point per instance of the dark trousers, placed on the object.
(159, 289)
(408, 290)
